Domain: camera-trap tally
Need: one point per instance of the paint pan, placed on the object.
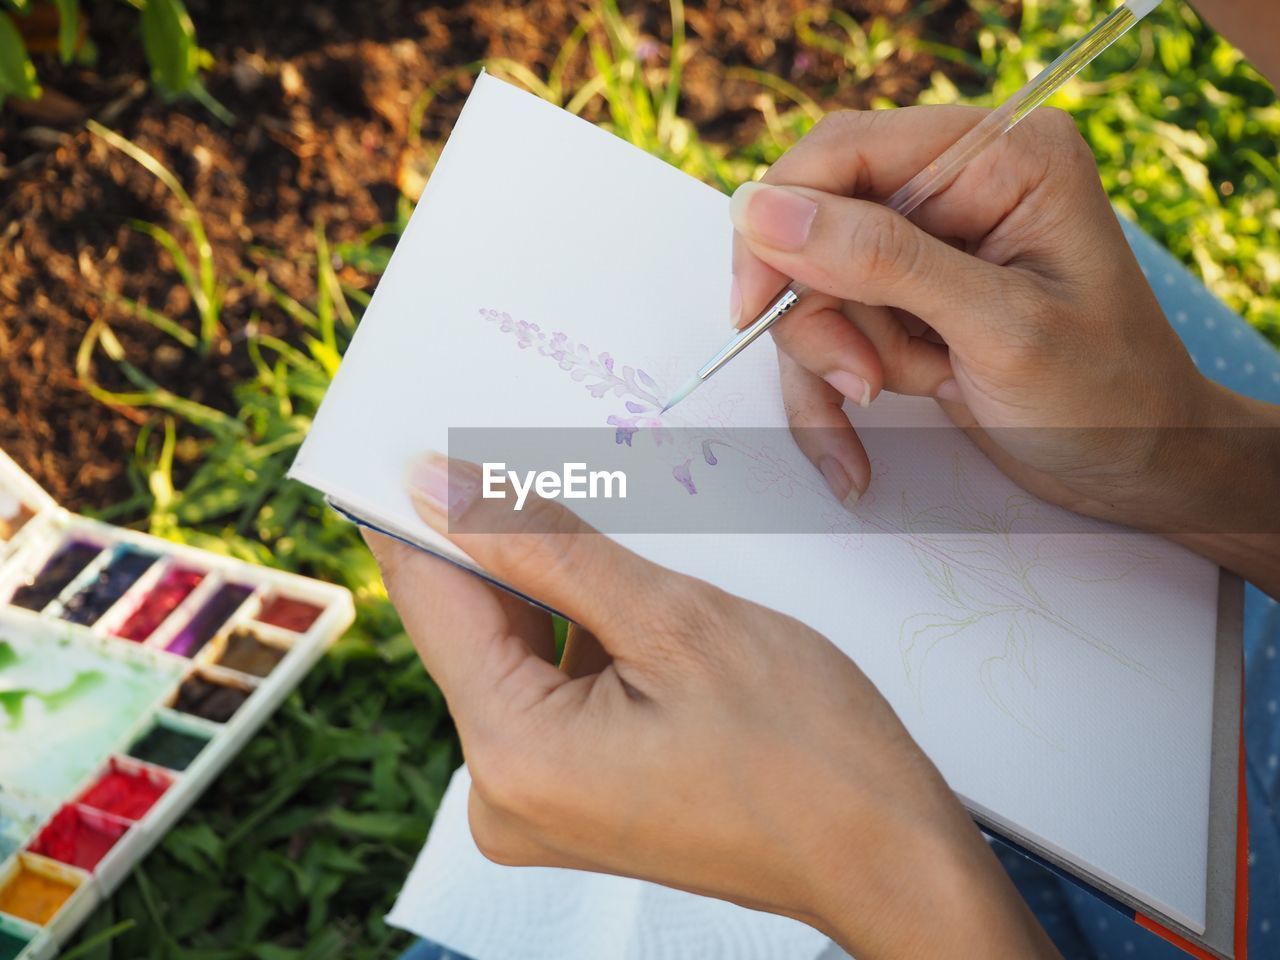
(11, 944)
(79, 836)
(14, 515)
(21, 502)
(161, 600)
(62, 568)
(288, 613)
(246, 652)
(36, 889)
(113, 581)
(166, 746)
(96, 760)
(126, 790)
(202, 696)
(14, 938)
(209, 619)
(19, 819)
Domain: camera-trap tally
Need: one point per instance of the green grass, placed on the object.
(1185, 134)
(299, 848)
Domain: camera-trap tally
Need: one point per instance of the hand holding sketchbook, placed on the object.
(1078, 690)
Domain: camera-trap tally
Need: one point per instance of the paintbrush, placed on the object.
(942, 171)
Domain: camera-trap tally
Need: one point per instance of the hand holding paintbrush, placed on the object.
(940, 172)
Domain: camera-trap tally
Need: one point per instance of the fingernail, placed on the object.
(851, 385)
(735, 302)
(949, 390)
(775, 216)
(444, 490)
(838, 480)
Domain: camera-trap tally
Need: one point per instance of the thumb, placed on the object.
(542, 550)
(470, 635)
(863, 251)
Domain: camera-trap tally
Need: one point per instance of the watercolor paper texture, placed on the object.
(554, 276)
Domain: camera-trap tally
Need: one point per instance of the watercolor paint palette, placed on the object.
(132, 670)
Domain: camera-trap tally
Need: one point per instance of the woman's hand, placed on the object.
(689, 737)
(1013, 298)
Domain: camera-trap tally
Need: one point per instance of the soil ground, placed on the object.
(322, 97)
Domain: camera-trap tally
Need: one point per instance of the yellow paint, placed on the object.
(33, 896)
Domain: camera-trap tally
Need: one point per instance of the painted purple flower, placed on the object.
(626, 429)
(708, 454)
(684, 477)
(602, 377)
(598, 373)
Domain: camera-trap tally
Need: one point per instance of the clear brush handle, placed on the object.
(942, 171)
(939, 174)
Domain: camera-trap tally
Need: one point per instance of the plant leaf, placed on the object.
(68, 28)
(169, 38)
(17, 72)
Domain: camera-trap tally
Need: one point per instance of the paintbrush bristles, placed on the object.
(683, 392)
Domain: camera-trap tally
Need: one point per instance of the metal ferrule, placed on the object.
(750, 333)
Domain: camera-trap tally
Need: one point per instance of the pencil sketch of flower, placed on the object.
(984, 573)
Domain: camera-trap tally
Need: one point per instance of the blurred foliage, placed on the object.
(298, 849)
(1184, 129)
(1185, 132)
(45, 26)
(199, 278)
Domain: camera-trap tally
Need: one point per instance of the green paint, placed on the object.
(11, 945)
(13, 700)
(166, 747)
(66, 707)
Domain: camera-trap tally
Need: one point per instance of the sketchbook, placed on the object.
(1077, 684)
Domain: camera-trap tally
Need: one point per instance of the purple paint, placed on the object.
(62, 568)
(684, 477)
(626, 429)
(97, 597)
(209, 619)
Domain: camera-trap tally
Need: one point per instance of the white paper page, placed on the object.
(1063, 684)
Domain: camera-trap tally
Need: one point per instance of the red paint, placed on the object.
(174, 587)
(79, 837)
(126, 793)
(289, 614)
